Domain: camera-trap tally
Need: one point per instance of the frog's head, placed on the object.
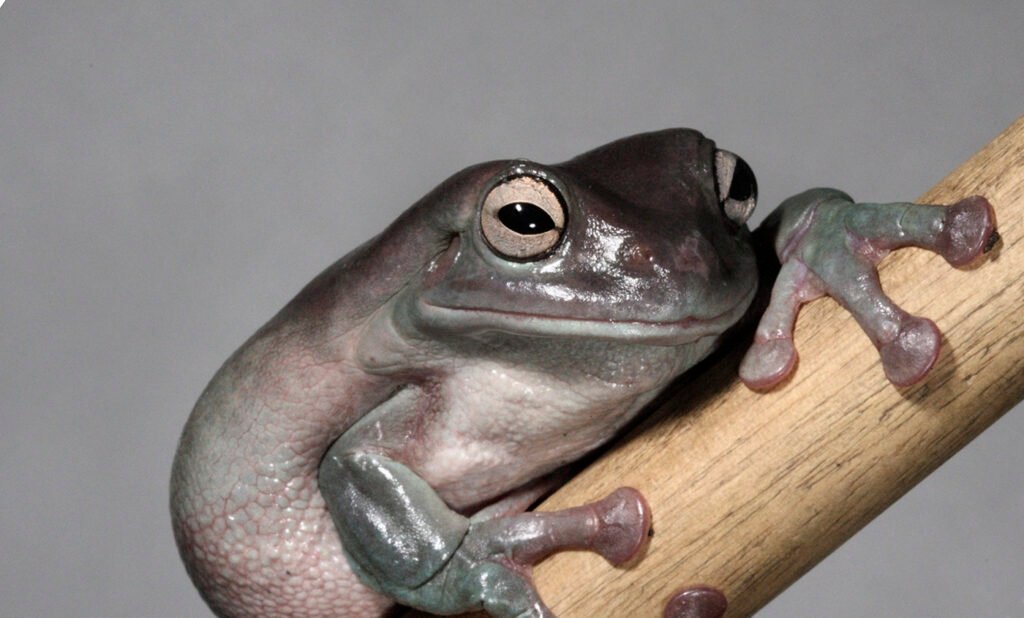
(641, 240)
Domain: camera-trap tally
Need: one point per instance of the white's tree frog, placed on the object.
(379, 440)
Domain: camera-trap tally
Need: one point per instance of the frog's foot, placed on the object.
(696, 602)
(402, 539)
(829, 245)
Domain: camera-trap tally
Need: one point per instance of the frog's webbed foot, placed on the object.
(404, 541)
(829, 245)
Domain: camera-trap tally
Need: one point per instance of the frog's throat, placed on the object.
(675, 332)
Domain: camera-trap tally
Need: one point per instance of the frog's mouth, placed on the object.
(468, 320)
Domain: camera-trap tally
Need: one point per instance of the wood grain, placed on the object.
(750, 490)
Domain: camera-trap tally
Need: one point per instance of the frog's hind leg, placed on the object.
(404, 541)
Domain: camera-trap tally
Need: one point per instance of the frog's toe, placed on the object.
(624, 523)
(960, 232)
(767, 363)
(910, 355)
(696, 602)
(615, 527)
(908, 345)
(772, 356)
(968, 230)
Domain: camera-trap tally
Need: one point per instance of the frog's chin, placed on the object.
(685, 330)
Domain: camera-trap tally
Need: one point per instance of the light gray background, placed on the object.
(172, 172)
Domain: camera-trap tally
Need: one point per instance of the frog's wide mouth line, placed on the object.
(674, 332)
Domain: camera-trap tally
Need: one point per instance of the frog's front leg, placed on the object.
(827, 244)
(404, 541)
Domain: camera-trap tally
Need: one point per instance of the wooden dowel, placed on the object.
(751, 490)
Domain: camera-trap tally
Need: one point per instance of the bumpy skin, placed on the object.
(380, 437)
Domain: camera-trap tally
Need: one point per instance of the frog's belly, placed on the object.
(489, 441)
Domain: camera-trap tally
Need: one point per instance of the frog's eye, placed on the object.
(522, 218)
(736, 186)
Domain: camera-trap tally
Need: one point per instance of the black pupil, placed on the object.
(525, 218)
(744, 185)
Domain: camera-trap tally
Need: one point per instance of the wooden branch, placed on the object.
(749, 491)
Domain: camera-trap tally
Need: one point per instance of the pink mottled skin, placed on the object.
(248, 516)
(429, 355)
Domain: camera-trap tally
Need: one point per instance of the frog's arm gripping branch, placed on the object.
(829, 245)
(750, 490)
(403, 540)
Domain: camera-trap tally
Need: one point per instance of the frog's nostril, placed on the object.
(639, 256)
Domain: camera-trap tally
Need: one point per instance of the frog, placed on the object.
(381, 440)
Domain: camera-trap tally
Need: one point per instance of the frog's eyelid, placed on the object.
(730, 168)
